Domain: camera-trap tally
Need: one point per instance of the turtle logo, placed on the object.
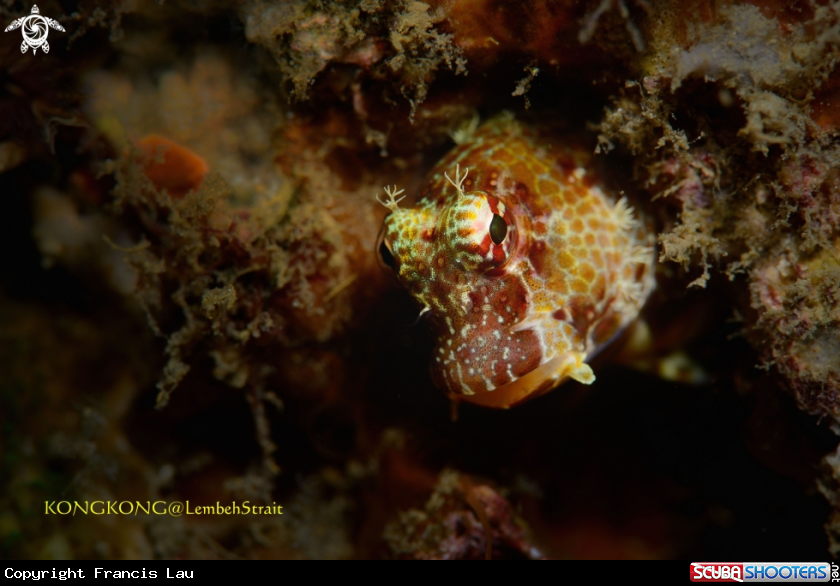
(35, 30)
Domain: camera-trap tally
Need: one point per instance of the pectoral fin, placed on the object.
(641, 353)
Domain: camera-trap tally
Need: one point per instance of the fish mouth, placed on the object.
(534, 383)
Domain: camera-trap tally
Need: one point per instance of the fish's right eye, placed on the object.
(384, 252)
(498, 229)
(386, 256)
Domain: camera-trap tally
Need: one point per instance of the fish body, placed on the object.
(524, 262)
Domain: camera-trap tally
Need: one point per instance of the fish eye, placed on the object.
(498, 229)
(386, 255)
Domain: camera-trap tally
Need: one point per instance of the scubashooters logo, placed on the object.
(791, 572)
(35, 29)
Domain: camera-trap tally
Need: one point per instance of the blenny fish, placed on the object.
(525, 263)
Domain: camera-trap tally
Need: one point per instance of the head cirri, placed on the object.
(523, 264)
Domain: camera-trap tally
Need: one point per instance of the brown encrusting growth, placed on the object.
(460, 521)
(192, 307)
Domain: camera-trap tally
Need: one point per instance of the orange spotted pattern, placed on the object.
(525, 266)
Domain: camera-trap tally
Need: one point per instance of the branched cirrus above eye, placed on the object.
(498, 229)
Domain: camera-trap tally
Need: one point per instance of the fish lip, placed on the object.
(530, 385)
(538, 381)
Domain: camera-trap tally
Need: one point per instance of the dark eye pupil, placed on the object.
(498, 229)
(386, 255)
